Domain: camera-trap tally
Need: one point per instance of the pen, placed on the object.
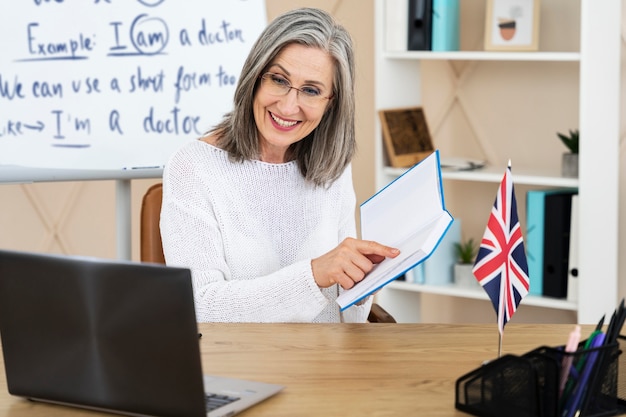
(611, 326)
(601, 322)
(575, 402)
(71, 145)
(580, 363)
(572, 345)
(147, 167)
(619, 322)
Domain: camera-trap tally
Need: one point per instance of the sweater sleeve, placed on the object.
(192, 238)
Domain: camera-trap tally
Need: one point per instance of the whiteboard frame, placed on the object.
(15, 175)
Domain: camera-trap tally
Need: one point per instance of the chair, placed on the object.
(151, 247)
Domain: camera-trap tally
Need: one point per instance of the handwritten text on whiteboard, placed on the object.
(114, 83)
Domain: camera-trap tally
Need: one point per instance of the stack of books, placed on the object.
(423, 25)
(552, 242)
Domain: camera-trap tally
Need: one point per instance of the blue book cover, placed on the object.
(445, 25)
(535, 211)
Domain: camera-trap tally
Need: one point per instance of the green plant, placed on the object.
(571, 140)
(466, 251)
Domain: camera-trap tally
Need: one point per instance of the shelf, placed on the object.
(459, 91)
(485, 56)
(479, 294)
(493, 174)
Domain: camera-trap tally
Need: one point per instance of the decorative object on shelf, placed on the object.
(461, 164)
(569, 164)
(465, 254)
(512, 25)
(406, 136)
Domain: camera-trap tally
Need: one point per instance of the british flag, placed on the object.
(501, 267)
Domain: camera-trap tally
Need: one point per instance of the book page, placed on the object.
(404, 206)
(413, 251)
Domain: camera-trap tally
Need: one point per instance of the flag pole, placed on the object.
(500, 333)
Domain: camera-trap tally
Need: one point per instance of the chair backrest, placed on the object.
(152, 248)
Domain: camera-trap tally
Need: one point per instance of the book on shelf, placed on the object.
(557, 220)
(415, 275)
(445, 25)
(439, 267)
(396, 25)
(420, 25)
(409, 214)
(572, 267)
(548, 221)
(535, 209)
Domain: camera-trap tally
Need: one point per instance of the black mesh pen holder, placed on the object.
(530, 385)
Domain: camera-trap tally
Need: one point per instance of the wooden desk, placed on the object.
(345, 369)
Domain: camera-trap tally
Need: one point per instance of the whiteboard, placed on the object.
(95, 89)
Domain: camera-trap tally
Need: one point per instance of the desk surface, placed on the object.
(345, 369)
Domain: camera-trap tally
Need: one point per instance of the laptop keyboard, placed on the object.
(215, 401)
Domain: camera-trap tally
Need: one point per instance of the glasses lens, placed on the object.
(278, 85)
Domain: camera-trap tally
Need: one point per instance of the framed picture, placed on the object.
(512, 25)
(406, 136)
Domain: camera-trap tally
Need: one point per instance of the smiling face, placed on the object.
(283, 119)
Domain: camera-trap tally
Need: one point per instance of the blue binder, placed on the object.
(535, 210)
(445, 23)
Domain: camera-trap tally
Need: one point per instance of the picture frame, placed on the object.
(406, 136)
(512, 25)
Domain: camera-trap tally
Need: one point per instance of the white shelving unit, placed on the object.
(491, 174)
(398, 85)
(484, 56)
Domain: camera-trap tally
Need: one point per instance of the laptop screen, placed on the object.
(118, 336)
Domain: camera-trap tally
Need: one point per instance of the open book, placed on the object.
(408, 214)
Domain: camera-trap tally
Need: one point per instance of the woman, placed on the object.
(261, 208)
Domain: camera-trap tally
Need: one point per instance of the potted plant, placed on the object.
(466, 252)
(569, 164)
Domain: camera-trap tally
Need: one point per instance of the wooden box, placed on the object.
(406, 136)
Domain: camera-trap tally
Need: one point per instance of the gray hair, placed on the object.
(324, 154)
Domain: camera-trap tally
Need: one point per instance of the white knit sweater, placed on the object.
(248, 232)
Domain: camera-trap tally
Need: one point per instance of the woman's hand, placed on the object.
(349, 262)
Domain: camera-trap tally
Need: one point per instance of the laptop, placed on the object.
(114, 336)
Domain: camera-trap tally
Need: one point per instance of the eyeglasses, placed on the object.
(278, 85)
